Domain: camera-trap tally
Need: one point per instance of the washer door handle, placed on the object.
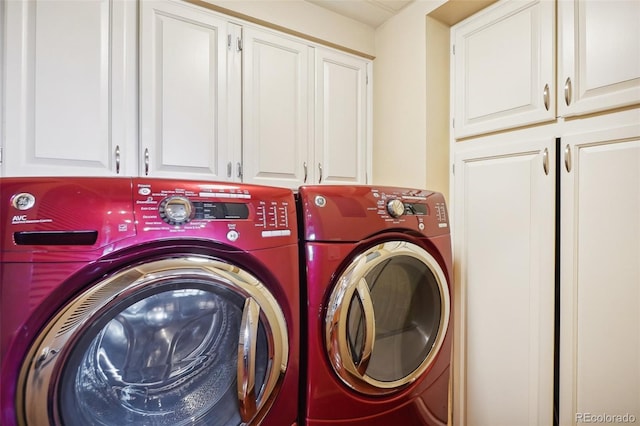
(247, 359)
(369, 326)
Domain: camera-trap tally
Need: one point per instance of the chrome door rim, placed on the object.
(351, 282)
(38, 377)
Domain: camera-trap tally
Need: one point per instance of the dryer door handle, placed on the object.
(369, 326)
(247, 359)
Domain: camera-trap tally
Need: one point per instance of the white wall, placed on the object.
(400, 100)
(309, 19)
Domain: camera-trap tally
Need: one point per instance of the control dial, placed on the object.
(176, 210)
(395, 207)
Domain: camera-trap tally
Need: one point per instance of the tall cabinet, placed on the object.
(546, 202)
(168, 88)
(600, 269)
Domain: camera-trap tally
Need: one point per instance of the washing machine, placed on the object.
(147, 302)
(377, 267)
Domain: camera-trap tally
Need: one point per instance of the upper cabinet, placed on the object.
(305, 112)
(599, 55)
(342, 136)
(183, 92)
(167, 88)
(278, 84)
(70, 87)
(503, 61)
(504, 72)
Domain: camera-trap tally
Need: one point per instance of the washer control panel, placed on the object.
(231, 213)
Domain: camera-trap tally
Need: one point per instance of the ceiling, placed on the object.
(370, 12)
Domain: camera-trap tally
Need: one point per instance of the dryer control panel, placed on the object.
(249, 216)
(351, 213)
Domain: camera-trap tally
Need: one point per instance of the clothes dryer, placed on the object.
(378, 292)
(141, 301)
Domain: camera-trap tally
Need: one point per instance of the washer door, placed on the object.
(387, 317)
(178, 341)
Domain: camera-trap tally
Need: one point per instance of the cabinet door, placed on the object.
(504, 59)
(70, 88)
(503, 239)
(600, 273)
(183, 95)
(341, 118)
(599, 55)
(276, 107)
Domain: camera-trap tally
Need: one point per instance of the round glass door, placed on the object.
(387, 317)
(171, 342)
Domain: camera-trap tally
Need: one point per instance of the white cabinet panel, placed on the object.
(305, 112)
(341, 118)
(503, 67)
(70, 73)
(276, 108)
(599, 51)
(600, 323)
(504, 268)
(183, 91)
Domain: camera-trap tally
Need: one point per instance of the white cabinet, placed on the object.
(504, 267)
(504, 62)
(593, 205)
(599, 55)
(503, 67)
(600, 271)
(167, 88)
(277, 106)
(342, 135)
(70, 87)
(183, 92)
(305, 112)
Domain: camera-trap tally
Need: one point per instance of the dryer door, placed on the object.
(387, 317)
(177, 341)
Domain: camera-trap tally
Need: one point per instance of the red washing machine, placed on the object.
(141, 301)
(378, 288)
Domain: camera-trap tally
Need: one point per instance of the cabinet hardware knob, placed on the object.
(545, 97)
(117, 159)
(146, 161)
(545, 161)
(568, 91)
(567, 157)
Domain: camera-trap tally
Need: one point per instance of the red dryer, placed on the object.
(142, 301)
(378, 292)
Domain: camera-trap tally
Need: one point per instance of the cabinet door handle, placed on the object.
(146, 161)
(239, 165)
(320, 170)
(545, 161)
(304, 165)
(117, 159)
(229, 169)
(568, 92)
(545, 97)
(567, 158)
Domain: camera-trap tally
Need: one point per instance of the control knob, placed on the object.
(395, 207)
(176, 210)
